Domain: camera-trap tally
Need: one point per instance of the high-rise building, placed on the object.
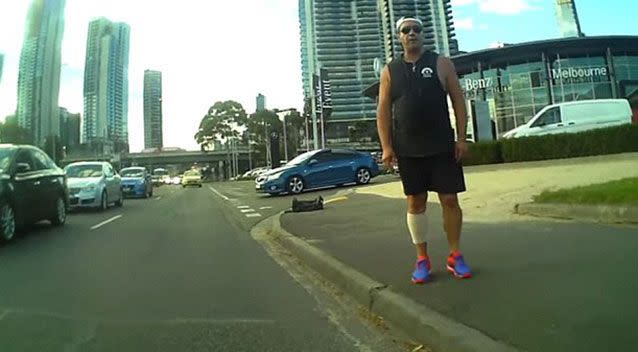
(153, 109)
(106, 84)
(567, 17)
(344, 38)
(69, 129)
(261, 102)
(40, 65)
(438, 25)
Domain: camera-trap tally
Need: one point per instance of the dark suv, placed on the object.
(32, 188)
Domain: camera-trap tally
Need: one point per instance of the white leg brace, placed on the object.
(418, 226)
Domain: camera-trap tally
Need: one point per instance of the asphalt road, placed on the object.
(177, 272)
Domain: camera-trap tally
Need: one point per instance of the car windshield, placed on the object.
(192, 173)
(299, 159)
(132, 173)
(160, 172)
(6, 154)
(83, 171)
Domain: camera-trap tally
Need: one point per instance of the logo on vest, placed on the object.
(427, 72)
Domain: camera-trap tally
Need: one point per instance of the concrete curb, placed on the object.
(418, 321)
(597, 213)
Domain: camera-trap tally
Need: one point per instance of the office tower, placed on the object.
(344, 38)
(69, 129)
(153, 109)
(106, 84)
(261, 102)
(568, 19)
(437, 22)
(39, 74)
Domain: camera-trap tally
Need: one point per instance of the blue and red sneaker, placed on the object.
(422, 271)
(457, 267)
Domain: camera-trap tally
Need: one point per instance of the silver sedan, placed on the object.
(93, 185)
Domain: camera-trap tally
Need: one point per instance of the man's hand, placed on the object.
(460, 150)
(389, 158)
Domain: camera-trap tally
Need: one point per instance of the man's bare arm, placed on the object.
(457, 97)
(384, 118)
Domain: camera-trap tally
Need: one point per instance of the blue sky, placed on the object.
(480, 23)
(207, 53)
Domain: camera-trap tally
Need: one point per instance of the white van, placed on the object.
(576, 116)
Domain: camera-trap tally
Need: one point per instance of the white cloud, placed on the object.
(464, 23)
(500, 7)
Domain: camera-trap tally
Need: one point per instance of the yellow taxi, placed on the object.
(192, 178)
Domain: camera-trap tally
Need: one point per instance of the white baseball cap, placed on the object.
(402, 20)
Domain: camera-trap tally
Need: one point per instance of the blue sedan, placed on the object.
(136, 182)
(319, 168)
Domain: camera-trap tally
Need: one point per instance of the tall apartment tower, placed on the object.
(153, 137)
(344, 38)
(437, 20)
(39, 74)
(567, 17)
(106, 83)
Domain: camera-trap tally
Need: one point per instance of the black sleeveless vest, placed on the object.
(420, 117)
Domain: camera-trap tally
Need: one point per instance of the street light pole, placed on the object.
(285, 141)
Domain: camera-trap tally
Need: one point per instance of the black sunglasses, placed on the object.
(416, 28)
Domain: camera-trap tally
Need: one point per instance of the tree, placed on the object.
(221, 122)
(11, 132)
(54, 148)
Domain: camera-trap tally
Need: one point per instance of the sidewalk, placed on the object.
(538, 286)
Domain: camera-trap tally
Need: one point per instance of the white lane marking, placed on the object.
(253, 215)
(263, 208)
(247, 210)
(106, 222)
(243, 206)
(4, 314)
(158, 198)
(217, 192)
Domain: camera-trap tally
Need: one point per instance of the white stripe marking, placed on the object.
(263, 208)
(106, 222)
(4, 314)
(247, 210)
(243, 206)
(217, 192)
(158, 198)
(253, 215)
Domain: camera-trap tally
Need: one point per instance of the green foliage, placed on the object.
(624, 191)
(10, 132)
(620, 139)
(483, 153)
(221, 122)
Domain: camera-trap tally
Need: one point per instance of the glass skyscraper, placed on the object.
(346, 38)
(40, 64)
(437, 21)
(343, 37)
(106, 83)
(153, 137)
(567, 17)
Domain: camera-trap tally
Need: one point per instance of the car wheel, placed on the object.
(200, 186)
(7, 223)
(295, 185)
(120, 202)
(363, 176)
(58, 218)
(104, 201)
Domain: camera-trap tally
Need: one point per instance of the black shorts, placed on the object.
(438, 173)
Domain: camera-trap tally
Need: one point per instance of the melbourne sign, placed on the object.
(579, 73)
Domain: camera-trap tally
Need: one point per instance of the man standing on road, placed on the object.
(415, 132)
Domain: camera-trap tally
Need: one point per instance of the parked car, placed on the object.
(93, 184)
(32, 189)
(319, 168)
(192, 178)
(576, 116)
(136, 182)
